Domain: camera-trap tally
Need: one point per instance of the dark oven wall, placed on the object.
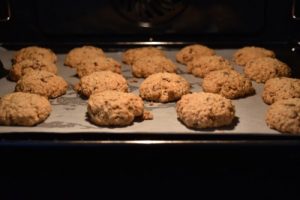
(216, 22)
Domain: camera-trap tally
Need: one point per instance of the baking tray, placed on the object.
(69, 111)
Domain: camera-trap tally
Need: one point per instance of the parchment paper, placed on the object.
(69, 111)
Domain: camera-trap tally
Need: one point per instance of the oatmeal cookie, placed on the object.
(101, 81)
(26, 66)
(114, 108)
(245, 54)
(79, 54)
(164, 87)
(43, 83)
(227, 83)
(131, 55)
(34, 53)
(281, 88)
(23, 109)
(148, 65)
(203, 65)
(284, 116)
(205, 110)
(191, 52)
(95, 64)
(262, 69)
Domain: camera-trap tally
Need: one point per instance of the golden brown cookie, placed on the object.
(164, 87)
(262, 69)
(79, 54)
(114, 108)
(227, 83)
(101, 81)
(192, 52)
(145, 66)
(205, 110)
(23, 109)
(43, 83)
(26, 66)
(284, 116)
(244, 55)
(35, 53)
(130, 55)
(203, 65)
(95, 64)
(281, 88)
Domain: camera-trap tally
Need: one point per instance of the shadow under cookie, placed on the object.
(228, 127)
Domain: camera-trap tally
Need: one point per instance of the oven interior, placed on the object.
(170, 24)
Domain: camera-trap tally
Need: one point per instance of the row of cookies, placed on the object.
(35, 72)
(132, 54)
(163, 87)
(259, 65)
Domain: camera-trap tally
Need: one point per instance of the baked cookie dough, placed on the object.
(245, 54)
(148, 65)
(203, 65)
(34, 53)
(284, 116)
(227, 83)
(26, 66)
(23, 109)
(43, 83)
(101, 81)
(191, 52)
(164, 87)
(95, 64)
(262, 69)
(205, 110)
(131, 55)
(114, 108)
(281, 88)
(78, 54)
